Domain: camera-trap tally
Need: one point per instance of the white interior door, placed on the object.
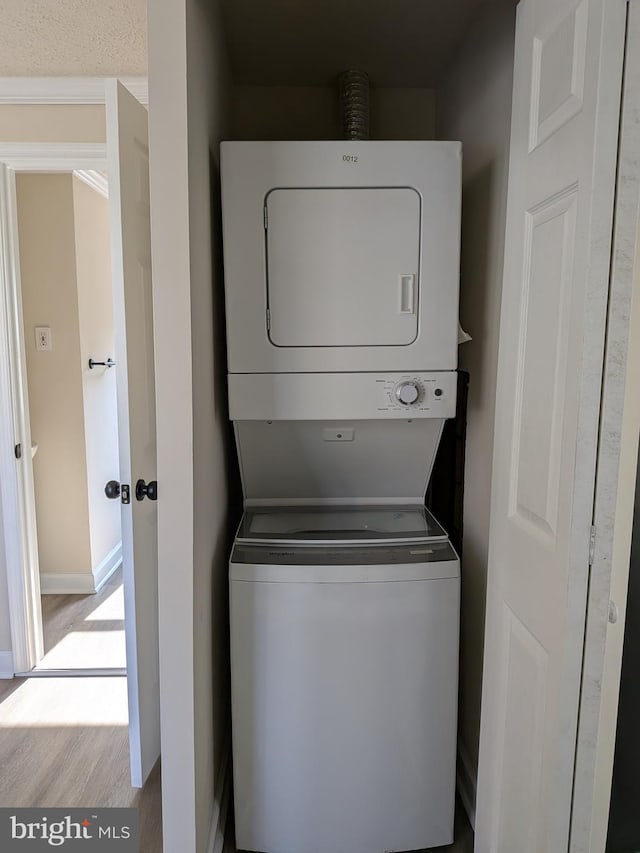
(128, 165)
(566, 101)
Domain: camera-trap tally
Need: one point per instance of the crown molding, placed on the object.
(54, 156)
(66, 90)
(98, 181)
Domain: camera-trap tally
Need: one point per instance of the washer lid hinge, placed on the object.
(268, 320)
(266, 217)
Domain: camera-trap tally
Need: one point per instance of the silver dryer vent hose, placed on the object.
(354, 104)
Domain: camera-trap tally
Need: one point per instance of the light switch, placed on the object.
(43, 339)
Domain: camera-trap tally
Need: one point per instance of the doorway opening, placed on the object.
(68, 341)
(104, 287)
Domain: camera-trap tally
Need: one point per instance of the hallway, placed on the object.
(85, 631)
(64, 741)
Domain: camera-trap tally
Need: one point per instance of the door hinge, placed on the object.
(17, 450)
(266, 217)
(268, 320)
(592, 545)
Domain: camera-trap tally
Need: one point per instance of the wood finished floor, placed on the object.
(85, 631)
(64, 742)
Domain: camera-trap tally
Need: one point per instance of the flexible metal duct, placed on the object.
(354, 104)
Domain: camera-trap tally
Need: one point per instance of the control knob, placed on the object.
(407, 393)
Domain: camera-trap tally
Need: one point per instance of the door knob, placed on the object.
(112, 489)
(147, 490)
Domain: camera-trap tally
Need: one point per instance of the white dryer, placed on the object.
(344, 662)
(341, 256)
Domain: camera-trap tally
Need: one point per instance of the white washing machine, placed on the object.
(341, 288)
(344, 662)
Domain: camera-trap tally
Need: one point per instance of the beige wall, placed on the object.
(5, 624)
(307, 112)
(474, 105)
(49, 298)
(63, 232)
(95, 315)
(52, 123)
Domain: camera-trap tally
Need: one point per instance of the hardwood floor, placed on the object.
(85, 631)
(64, 742)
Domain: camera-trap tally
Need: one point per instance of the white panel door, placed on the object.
(566, 99)
(343, 266)
(128, 164)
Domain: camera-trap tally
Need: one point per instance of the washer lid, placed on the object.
(343, 564)
(340, 525)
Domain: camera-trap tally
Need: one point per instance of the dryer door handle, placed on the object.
(407, 294)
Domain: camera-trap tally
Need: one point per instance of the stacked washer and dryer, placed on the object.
(341, 279)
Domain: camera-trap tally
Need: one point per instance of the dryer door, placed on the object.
(343, 266)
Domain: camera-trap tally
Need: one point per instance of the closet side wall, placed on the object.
(624, 821)
(187, 104)
(474, 106)
(213, 450)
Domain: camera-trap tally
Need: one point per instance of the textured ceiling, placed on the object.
(308, 42)
(73, 37)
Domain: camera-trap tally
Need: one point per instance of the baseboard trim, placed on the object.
(6, 665)
(82, 583)
(222, 793)
(107, 567)
(466, 778)
(102, 672)
(72, 583)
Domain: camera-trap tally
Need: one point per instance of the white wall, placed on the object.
(96, 333)
(312, 112)
(474, 105)
(190, 392)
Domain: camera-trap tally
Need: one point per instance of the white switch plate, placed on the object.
(43, 339)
